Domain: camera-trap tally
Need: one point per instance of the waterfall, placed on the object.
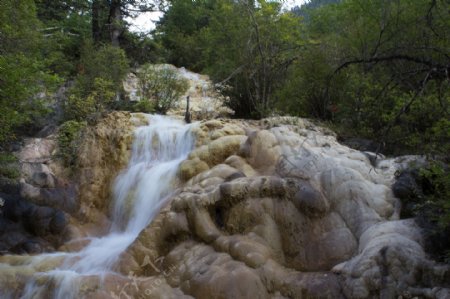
(139, 192)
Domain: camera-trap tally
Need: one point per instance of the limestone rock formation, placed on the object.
(205, 102)
(270, 209)
(46, 208)
(105, 151)
(282, 210)
(32, 215)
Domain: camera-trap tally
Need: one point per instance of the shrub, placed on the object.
(69, 136)
(101, 71)
(143, 106)
(107, 62)
(162, 85)
(437, 179)
(436, 209)
(8, 166)
(93, 105)
(425, 195)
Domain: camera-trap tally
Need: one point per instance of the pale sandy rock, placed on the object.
(27, 170)
(139, 119)
(261, 151)
(131, 87)
(210, 130)
(391, 261)
(105, 150)
(37, 150)
(218, 150)
(191, 168)
(241, 165)
(206, 273)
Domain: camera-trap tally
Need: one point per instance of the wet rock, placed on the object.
(37, 220)
(27, 247)
(44, 179)
(47, 131)
(9, 186)
(406, 186)
(310, 201)
(23, 221)
(58, 223)
(105, 150)
(61, 197)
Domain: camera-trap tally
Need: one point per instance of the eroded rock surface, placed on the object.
(281, 210)
(50, 204)
(104, 152)
(270, 209)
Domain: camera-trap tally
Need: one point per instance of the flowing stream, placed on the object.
(139, 193)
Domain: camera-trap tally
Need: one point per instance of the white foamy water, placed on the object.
(139, 193)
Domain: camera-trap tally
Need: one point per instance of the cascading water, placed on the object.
(139, 193)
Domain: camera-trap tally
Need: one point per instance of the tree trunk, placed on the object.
(115, 22)
(96, 30)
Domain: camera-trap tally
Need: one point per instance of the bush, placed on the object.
(107, 62)
(143, 106)
(93, 105)
(69, 136)
(436, 209)
(437, 178)
(162, 85)
(21, 81)
(8, 166)
(425, 195)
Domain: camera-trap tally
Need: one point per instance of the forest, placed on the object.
(375, 70)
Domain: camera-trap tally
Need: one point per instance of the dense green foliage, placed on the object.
(22, 66)
(45, 43)
(244, 48)
(91, 106)
(383, 72)
(160, 85)
(8, 166)
(438, 179)
(69, 135)
(433, 208)
(376, 69)
(104, 61)
(98, 82)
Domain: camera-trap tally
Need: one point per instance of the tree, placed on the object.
(161, 85)
(108, 22)
(65, 25)
(179, 32)
(261, 46)
(22, 68)
(245, 48)
(384, 69)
